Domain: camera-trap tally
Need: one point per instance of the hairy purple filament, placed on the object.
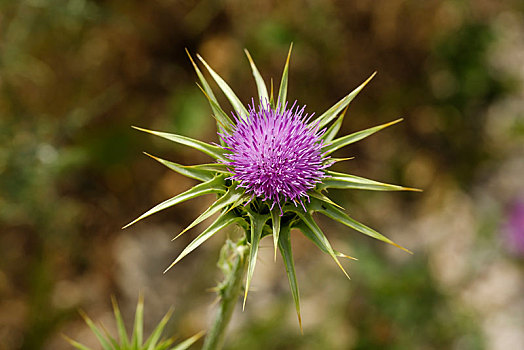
(275, 155)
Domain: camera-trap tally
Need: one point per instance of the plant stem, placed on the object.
(229, 293)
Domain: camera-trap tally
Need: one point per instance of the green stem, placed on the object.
(230, 290)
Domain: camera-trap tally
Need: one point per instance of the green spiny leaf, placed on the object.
(138, 329)
(233, 99)
(152, 342)
(257, 225)
(76, 344)
(215, 185)
(357, 136)
(322, 197)
(194, 172)
(271, 99)
(330, 134)
(309, 227)
(284, 245)
(203, 81)
(275, 218)
(319, 239)
(112, 340)
(261, 85)
(214, 167)
(233, 197)
(211, 150)
(331, 161)
(105, 344)
(122, 334)
(157, 333)
(282, 92)
(188, 342)
(340, 216)
(222, 118)
(225, 219)
(348, 181)
(165, 344)
(208, 92)
(331, 113)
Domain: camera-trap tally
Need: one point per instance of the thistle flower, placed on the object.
(275, 155)
(270, 171)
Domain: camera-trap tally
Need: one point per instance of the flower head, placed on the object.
(275, 155)
(271, 155)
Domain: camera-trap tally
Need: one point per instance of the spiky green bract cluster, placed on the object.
(136, 341)
(257, 217)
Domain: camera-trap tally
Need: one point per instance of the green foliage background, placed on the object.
(76, 74)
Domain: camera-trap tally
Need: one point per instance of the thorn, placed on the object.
(328, 200)
(342, 255)
(412, 189)
(245, 298)
(69, 340)
(248, 56)
(343, 114)
(170, 266)
(184, 231)
(271, 95)
(180, 234)
(289, 53)
(131, 223)
(152, 156)
(203, 91)
(393, 122)
(83, 314)
(201, 60)
(214, 289)
(191, 59)
(340, 265)
(337, 160)
(152, 132)
(199, 335)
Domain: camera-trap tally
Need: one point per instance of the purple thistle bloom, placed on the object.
(275, 155)
(515, 227)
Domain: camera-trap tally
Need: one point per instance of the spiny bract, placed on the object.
(269, 156)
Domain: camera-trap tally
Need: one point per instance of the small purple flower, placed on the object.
(515, 227)
(275, 155)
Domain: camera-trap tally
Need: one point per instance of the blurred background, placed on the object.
(76, 74)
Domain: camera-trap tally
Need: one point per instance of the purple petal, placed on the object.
(275, 155)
